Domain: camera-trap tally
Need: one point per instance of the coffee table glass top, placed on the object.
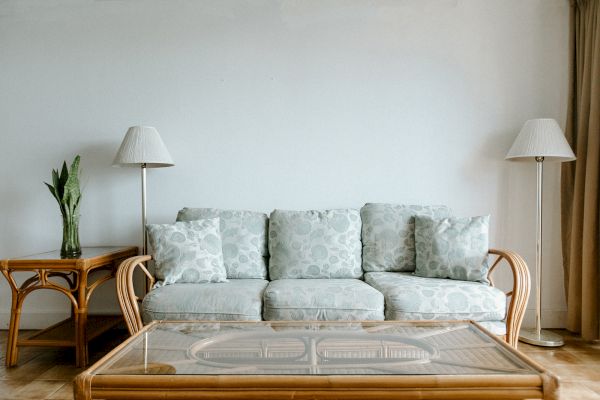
(313, 348)
(86, 252)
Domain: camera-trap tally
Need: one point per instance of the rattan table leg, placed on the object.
(81, 347)
(12, 351)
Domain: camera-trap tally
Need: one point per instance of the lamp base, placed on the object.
(545, 338)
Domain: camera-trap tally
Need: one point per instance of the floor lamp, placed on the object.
(142, 147)
(540, 140)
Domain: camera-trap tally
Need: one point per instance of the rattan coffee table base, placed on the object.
(315, 360)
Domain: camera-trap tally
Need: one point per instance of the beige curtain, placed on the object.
(580, 179)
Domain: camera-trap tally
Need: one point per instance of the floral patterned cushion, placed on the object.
(388, 235)
(455, 248)
(187, 252)
(322, 299)
(410, 297)
(244, 236)
(236, 300)
(495, 327)
(315, 244)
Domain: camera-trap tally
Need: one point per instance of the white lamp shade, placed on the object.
(143, 145)
(541, 138)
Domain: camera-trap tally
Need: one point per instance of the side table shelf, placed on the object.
(71, 278)
(62, 334)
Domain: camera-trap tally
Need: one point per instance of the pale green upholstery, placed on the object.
(409, 297)
(496, 327)
(388, 235)
(187, 252)
(315, 244)
(455, 248)
(317, 260)
(322, 299)
(244, 236)
(238, 299)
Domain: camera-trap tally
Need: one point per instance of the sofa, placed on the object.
(334, 265)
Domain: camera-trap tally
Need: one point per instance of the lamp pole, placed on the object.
(538, 245)
(144, 221)
(538, 336)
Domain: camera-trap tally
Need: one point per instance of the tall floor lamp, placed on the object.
(540, 140)
(142, 147)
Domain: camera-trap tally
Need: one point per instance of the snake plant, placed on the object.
(66, 191)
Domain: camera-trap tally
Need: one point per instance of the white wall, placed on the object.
(277, 104)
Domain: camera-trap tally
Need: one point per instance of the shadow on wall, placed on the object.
(107, 187)
(488, 163)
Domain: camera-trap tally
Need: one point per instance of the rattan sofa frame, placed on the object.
(519, 293)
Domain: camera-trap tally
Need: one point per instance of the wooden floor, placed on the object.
(45, 373)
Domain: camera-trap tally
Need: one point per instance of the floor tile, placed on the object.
(576, 391)
(595, 386)
(552, 357)
(588, 356)
(38, 389)
(574, 373)
(9, 387)
(61, 372)
(64, 393)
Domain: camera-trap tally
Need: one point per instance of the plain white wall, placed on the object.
(277, 104)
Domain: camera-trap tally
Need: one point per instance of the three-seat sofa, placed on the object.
(327, 265)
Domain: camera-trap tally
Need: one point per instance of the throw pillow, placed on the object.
(244, 236)
(314, 244)
(388, 235)
(455, 248)
(187, 252)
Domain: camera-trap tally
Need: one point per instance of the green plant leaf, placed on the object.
(64, 175)
(53, 191)
(71, 188)
(55, 179)
(77, 205)
(66, 189)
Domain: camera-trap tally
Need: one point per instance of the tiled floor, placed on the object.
(577, 364)
(47, 373)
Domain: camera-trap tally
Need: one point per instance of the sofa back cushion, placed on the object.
(388, 235)
(244, 237)
(315, 244)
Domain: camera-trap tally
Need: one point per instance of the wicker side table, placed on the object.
(71, 277)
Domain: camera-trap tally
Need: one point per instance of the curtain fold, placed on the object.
(580, 179)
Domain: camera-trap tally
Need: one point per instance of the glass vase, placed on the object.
(70, 244)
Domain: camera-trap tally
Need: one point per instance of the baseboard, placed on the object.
(550, 318)
(32, 320)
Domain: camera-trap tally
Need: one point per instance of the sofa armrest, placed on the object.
(519, 293)
(128, 300)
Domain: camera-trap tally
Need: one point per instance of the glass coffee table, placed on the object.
(316, 360)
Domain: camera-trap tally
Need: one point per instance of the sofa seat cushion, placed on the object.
(322, 299)
(410, 297)
(238, 299)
